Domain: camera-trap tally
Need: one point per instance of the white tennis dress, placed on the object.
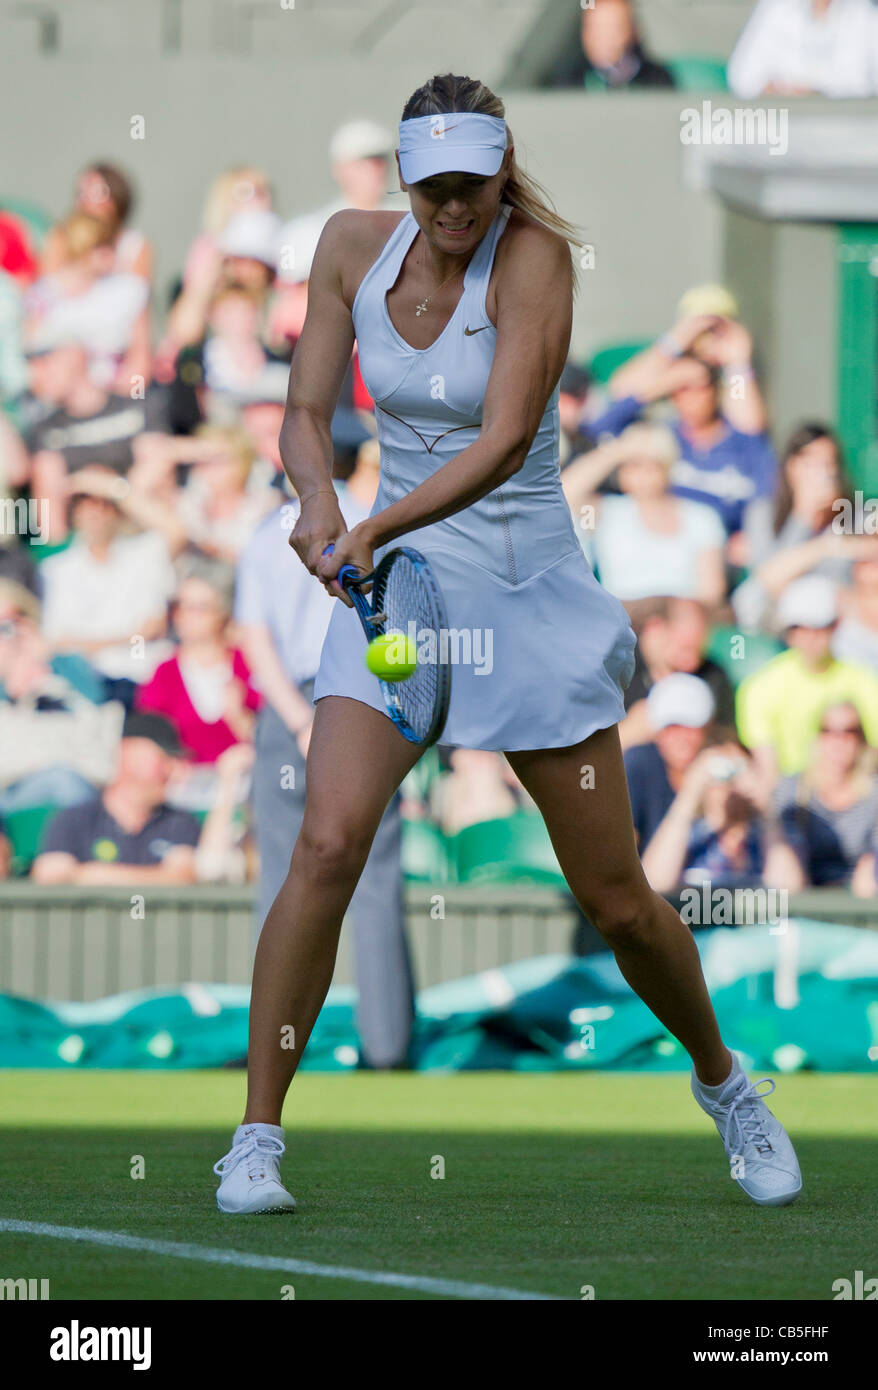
(540, 652)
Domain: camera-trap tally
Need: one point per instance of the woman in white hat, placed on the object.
(462, 311)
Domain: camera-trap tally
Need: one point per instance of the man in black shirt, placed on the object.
(127, 834)
(88, 424)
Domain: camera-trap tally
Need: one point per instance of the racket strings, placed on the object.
(410, 609)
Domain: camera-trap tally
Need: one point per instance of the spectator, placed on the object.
(88, 425)
(825, 818)
(807, 47)
(780, 706)
(680, 709)
(856, 637)
(726, 456)
(477, 788)
(713, 828)
(58, 738)
(225, 851)
(359, 153)
(610, 56)
(103, 191)
(89, 301)
(204, 690)
(219, 508)
(46, 382)
(242, 189)
(261, 416)
(362, 484)
(792, 534)
(128, 834)
(247, 260)
(359, 156)
(573, 394)
(646, 541)
(671, 637)
(106, 595)
(233, 357)
(216, 511)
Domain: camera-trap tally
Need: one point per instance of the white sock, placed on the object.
(276, 1131)
(714, 1092)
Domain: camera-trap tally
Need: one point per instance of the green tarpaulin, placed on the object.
(805, 997)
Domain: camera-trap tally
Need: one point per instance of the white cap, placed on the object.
(808, 602)
(360, 140)
(680, 699)
(253, 233)
(465, 141)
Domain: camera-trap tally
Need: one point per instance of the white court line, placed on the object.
(450, 1288)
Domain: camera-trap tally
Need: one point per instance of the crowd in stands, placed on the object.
(787, 48)
(148, 598)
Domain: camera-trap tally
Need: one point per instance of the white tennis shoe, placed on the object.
(249, 1175)
(761, 1156)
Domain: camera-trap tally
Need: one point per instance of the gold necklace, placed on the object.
(422, 307)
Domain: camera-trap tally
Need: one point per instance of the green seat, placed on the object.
(39, 552)
(697, 73)
(514, 848)
(741, 653)
(608, 359)
(424, 852)
(25, 831)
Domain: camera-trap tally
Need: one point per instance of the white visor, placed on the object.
(463, 141)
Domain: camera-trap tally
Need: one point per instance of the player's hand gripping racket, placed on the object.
(406, 598)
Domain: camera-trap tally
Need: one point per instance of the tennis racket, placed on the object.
(406, 598)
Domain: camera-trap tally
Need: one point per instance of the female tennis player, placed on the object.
(461, 309)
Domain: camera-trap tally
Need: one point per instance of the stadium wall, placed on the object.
(83, 944)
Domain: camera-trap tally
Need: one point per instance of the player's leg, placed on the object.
(583, 796)
(356, 761)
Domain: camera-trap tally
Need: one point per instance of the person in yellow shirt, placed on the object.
(778, 708)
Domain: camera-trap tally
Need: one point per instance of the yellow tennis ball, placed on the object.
(392, 657)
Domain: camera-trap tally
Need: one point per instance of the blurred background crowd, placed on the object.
(153, 619)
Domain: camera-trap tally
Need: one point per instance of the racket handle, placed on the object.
(348, 574)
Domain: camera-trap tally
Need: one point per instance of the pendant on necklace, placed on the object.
(421, 309)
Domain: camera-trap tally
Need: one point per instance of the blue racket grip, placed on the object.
(348, 574)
